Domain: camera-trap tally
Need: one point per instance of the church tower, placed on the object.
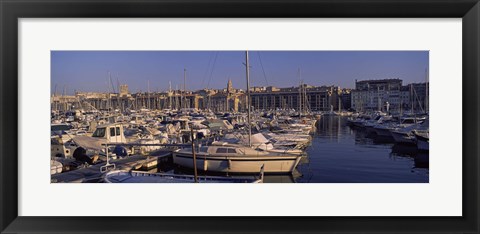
(229, 86)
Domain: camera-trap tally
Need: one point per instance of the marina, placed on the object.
(375, 133)
(337, 153)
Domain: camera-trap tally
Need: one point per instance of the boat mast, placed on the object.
(170, 95)
(54, 100)
(63, 100)
(118, 98)
(426, 90)
(184, 88)
(248, 100)
(300, 93)
(411, 96)
(148, 94)
(194, 155)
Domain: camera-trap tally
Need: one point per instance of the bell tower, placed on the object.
(229, 86)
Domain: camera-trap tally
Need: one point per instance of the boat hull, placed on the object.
(422, 143)
(383, 132)
(145, 177)
(403, 138)
(239, 164)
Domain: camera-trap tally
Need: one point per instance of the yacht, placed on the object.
(406, 135)
(236, 159)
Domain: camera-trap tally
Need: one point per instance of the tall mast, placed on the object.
(426, 90)
(63, 100)
(248, 100)
(54, 100)
(300, 93)
(170, 95)
(184, 88)
(118, 97)
(176, 98)
(148, 94)
(411, 96)
(379, 99)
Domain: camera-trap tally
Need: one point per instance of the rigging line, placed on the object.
(261, 64)
(208, 68)
(213, 68)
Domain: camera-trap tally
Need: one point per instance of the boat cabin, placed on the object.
(112, 132)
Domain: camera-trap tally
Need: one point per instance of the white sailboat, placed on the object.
(239, 158)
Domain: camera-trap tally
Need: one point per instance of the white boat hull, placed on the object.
(239, 164)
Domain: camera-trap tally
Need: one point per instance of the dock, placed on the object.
(94, 174)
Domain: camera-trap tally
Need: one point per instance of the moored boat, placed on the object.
(146, 177)
(422, 139)
(241, 159)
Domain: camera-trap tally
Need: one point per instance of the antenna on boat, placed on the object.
(108, 165)
(262, 172)
(248, 100)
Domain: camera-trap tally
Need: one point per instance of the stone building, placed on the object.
(372, 95)
(303, 98)
(229, 99)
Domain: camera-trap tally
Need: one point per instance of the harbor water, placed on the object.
(344, 154)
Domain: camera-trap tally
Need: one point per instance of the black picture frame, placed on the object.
(11, 11)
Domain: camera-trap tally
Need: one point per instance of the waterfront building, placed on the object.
(346, 99)
(229, 99)
(302, 98)
(368, 95)
(373, 95)
(124, 90)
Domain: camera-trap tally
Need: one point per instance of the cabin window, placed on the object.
(112, 132)
(100, 132)
(221, 150)
(118, 131)
(203, 149)
(232, 151)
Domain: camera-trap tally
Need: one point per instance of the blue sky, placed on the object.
(88, 70)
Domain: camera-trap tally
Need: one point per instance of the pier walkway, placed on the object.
(93, 173)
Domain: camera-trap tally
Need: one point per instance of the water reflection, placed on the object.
(342, 154)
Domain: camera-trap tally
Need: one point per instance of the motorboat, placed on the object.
(236, 159)
(406, 135)
(422, 139)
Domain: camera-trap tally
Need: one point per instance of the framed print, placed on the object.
(274, 116)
